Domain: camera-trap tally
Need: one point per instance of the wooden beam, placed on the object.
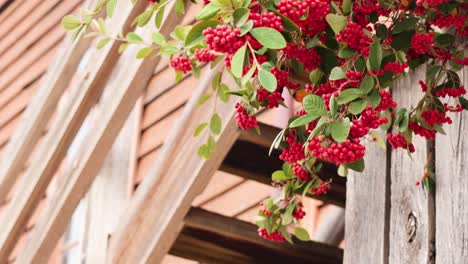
(39, 110)
(451, 189)
(257, 165)
(412, 234)
(122, 94)
(164, 197)
(212, 238)
(82, 97)
(331, 230)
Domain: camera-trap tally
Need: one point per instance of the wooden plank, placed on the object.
(141, 239)
(121, 95)
(108, 196)
(82, 98)
(412, 210)
(212, 238)
(371, 185)
(331, 230)
(452, 189)
(17, 106)
(5, 14)
(37, 114)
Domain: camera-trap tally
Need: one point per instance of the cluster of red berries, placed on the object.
(243, 119)
(282, 79)
(421, 42)
(223, 39)
(300, 173)
(369, 119)
(267, 20)
(421, 131)
(276, 236)
(386, 101)
(451, 92)
(270, 100)
(266, 212)
(322, 189)
(453, 108)
(355, 38)
(205, 55)
(294, 152)
(309, 57)
(339, 153)
(299, 213)
(399, 141)
(430, 3)
(396, 67)
(182, 64)
(434, 116)
(293, 9)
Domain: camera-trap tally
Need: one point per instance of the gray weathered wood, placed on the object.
(412, 210)
(452, 190)
(331, 230)
(367, 198)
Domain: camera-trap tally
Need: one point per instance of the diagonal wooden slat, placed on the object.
(40, 109)
(163, 198)
(82, 97)
(115, 107)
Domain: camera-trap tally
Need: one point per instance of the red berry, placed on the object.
(182, 64)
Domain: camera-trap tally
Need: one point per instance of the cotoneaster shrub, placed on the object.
(351, 52)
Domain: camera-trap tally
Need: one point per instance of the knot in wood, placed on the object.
(411, 227)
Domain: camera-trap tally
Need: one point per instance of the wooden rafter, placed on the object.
(171, 185)
(124, 90)
(212, 238)
(65, 126)
(39, 111)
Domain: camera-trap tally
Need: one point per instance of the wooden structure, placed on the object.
(386, 222)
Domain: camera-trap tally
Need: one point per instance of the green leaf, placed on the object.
(445, 39)
(240, 15)
(405, 24)
(180, 32)
(179, 7)
(342, 170)
(122, 47)
(134, 38)
(70, 22)
(378, 139)
(215, 124)
(302, 120)
(347, 5)
(102, 43)
(144, 18)
(375, 55)
(314, 105)
(237, 62)
(374, 98)
(288, 24)
(301, 234)
(245, 28)
(367, 84)
(463, 102)
(356, 107)
(267, 80)
(349, 95)
(204, 151)
(340, 130)
(315, 76)
(111, 7)
(159, 17)
(200, 129)
(195, 36)
(346, 53)
(358, 166)
(211, 144)
(268, 37)
(249, 74)
(333, 106)
(159, 39)
(144, 52)
(203, 99)
(336, 22)
(223, 93)
(287, 216)
(337, 74)
(208, 11)
(279, 175)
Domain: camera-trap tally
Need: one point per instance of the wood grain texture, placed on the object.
(168, 190)
(367, 209)
(39, 111)
(331, 230)
(121, 95)
(83, 97)
(452, 190)
(412, 210)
